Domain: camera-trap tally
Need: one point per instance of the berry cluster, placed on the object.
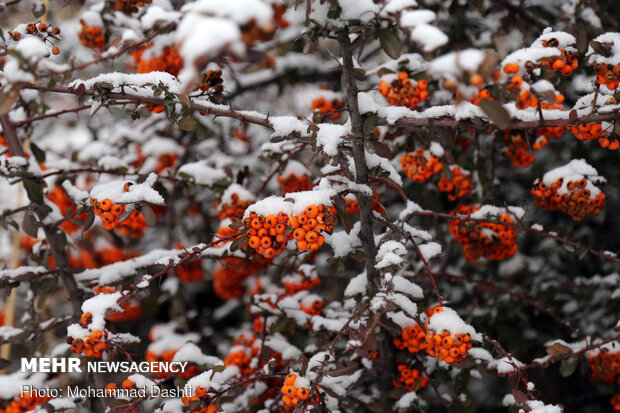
(91, 37)
(40, 30)
(566, 64)
(170, 61)
(167, 357)
(308, 226)
(300, 282)
(131, 309)
(234, 207)
(229, 277)
(403, 91)
(412, 339)
(212, 84)
(607, 75)
(592, 131)
(526, 99)
(126, 384)
(420, 165)
(605, 366)
(615, 402)
(492, 240)
(329, 109)
(200, 396)
(447, 347)
(517, 149)
(130, 6)
(410, 379)
(577, 198)
(267, 236)
(461, 184)
(293, 395)
(311, 305)
(294, 183)
(353, 206)
(25, 402)
(243, 350)
(67, 208)
(92, 345)
(132, 226)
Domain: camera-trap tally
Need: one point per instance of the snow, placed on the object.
(406, 400)
(543, 86)
(242, 193)
(305, 199)
(270, 206)
(429, 37)
(142, 192)
(240, 11)
(171, 341)
(343, 243)
(8, 332)
(417, 17)
(203, 37)
(135, 80)
(288, 125)
(11, 384)
(99, 305)
(410, 209)
(362, 10)
(430, 250)
(296, 168)
(330, 136)
(575, 170)
(449, 320)
(612, 40)
(506, 365)
(536, 406)
(454, 63)
(157, 146)
(390, 253)
(113, 273)
(155, 15)
(436, 149)
(9, 274)
(396, 6)
(32, 49)
(201, 173)
(357, 285)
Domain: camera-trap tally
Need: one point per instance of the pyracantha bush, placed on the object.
(311, 205)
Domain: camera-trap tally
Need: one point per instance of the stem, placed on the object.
(385, 366)
(367, 235)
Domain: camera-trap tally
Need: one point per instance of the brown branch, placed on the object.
(216, 110)
(408, 122)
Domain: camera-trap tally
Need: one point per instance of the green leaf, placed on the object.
(381, 149)
(187, 123)
(29, 225)
(390, 42)
(33, 188)
(568, 367)
(497, 113)
(38, 153)
(600, 48)
(88, 222)
(239, 243)
(149, 216)
(369, 123)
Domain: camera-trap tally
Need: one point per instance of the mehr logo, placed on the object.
(51, 365)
